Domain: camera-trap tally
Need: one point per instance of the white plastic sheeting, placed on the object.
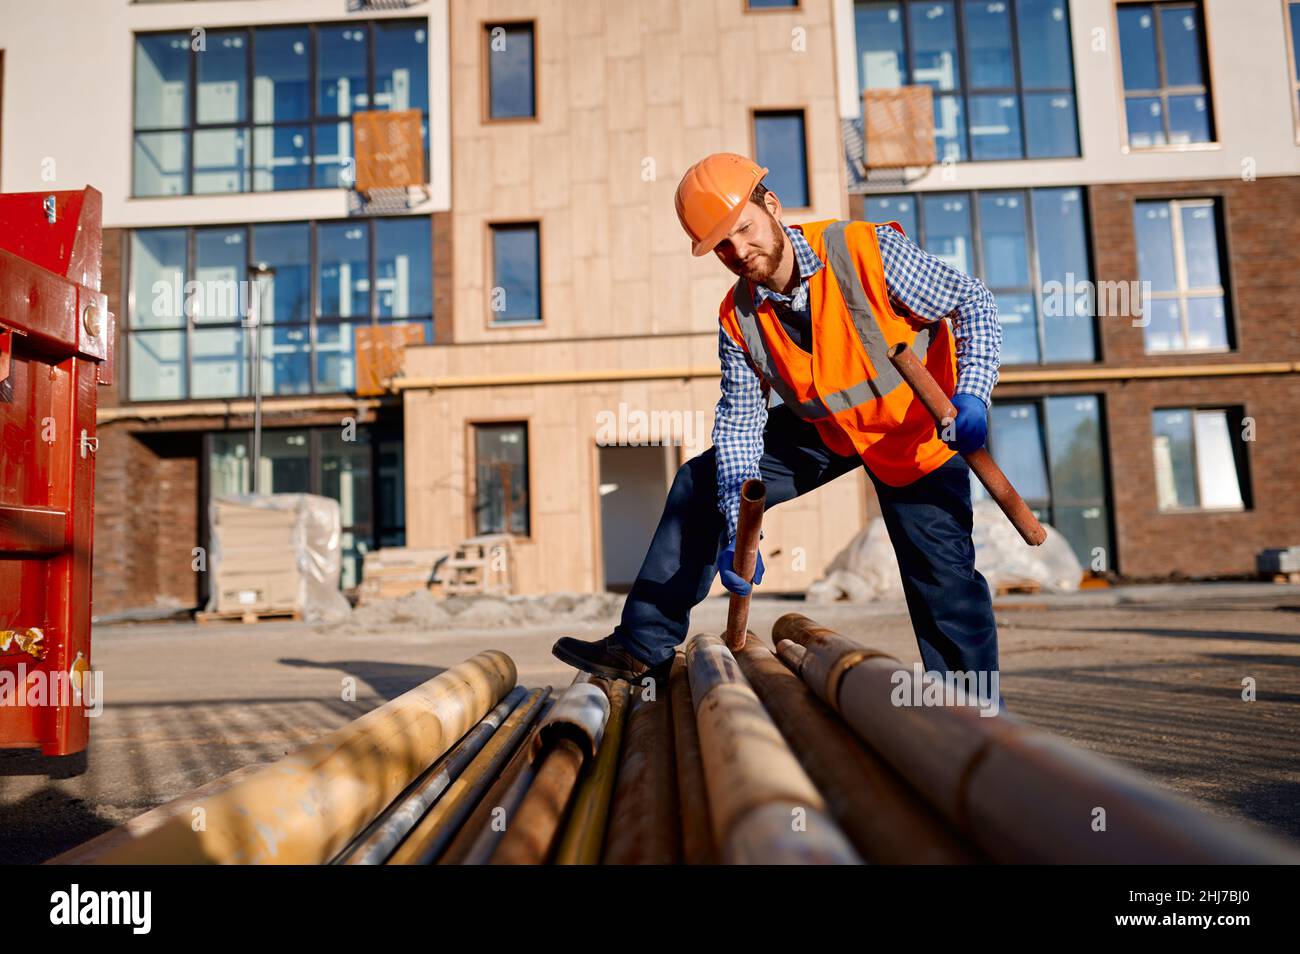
(316, 541)
(867, 569)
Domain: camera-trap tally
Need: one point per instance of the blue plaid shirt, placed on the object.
(920, 285)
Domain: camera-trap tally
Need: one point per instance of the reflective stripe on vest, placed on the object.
(886, 377)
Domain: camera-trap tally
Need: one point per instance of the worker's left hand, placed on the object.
(969, 429)
(732, 580)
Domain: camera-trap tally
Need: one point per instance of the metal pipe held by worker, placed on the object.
(753, 498)
(308, 806)
(584, 837)
(765, 809)
(1019, 794)
(985, 468)
(376, 843)
(884, 818)
(434, 832)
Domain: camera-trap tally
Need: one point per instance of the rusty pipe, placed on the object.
(883, 817)
(437, 828)
(643, 822)
(981, 462)
(765, 808)
(792, 654)
(753, 498)
(532, 830)
(585, 835)
(377, 842)
(477, 839)
(1019, 794)
(698, 846)
(567, 738)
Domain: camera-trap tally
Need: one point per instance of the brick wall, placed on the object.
(146, 519)
(1262, 237)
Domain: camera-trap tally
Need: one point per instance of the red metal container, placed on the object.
(56, 338)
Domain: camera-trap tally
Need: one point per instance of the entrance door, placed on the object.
(633, 484)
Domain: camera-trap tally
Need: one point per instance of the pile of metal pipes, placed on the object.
(809, 755)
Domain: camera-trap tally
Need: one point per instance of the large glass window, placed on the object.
(1200, 459)
(511, 71)
(1002, 71)
(361, 470)
(1180, 255)
(781, 146)
(501, 479)
(1030, 247)
(191, 296)
(1166, 89)
(1051, 449)
(516, 294)
(272, 105)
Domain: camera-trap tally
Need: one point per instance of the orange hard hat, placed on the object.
(712, 195)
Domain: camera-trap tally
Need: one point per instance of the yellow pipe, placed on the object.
(553, 377)
(308, 806)
(1150, 371)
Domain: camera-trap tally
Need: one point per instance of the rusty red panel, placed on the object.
(51, 302)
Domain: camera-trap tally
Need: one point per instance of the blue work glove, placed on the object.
(732, 580)
(969, 429)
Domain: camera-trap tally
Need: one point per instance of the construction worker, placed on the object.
(811, 317)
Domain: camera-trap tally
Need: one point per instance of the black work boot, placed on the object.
(605, 657)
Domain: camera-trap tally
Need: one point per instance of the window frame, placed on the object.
(1054, 500)
(187, 325)
(471, 474)
(377, 432)
(1235, 414)
(795, 7)
(489, 257)
(802, 112)
(964, 90)
(485, 93)
(312, 122)
(1292, 64)
(1227, 290)
(1035, 289)
(1163, 92)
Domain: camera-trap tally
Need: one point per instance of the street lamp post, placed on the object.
(257, 271)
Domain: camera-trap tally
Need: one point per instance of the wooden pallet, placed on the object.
(246, 616)
(1020, 586)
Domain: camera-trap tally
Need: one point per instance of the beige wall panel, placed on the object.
(665, 80)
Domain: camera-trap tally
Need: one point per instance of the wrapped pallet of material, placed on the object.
(276, 553)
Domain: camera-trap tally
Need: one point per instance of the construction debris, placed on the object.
(423, 610)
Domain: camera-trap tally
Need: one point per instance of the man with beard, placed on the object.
(811, 317)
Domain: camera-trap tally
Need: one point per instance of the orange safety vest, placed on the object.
(847, 387)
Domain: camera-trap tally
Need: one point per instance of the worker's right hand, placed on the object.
(732, 580)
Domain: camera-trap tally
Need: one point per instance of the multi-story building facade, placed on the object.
(1120, 174)
(220, 134)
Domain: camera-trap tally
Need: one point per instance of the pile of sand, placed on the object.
(422, 610)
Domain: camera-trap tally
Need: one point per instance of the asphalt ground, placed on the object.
(1151, 676)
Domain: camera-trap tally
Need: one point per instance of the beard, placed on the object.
(763, 262)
